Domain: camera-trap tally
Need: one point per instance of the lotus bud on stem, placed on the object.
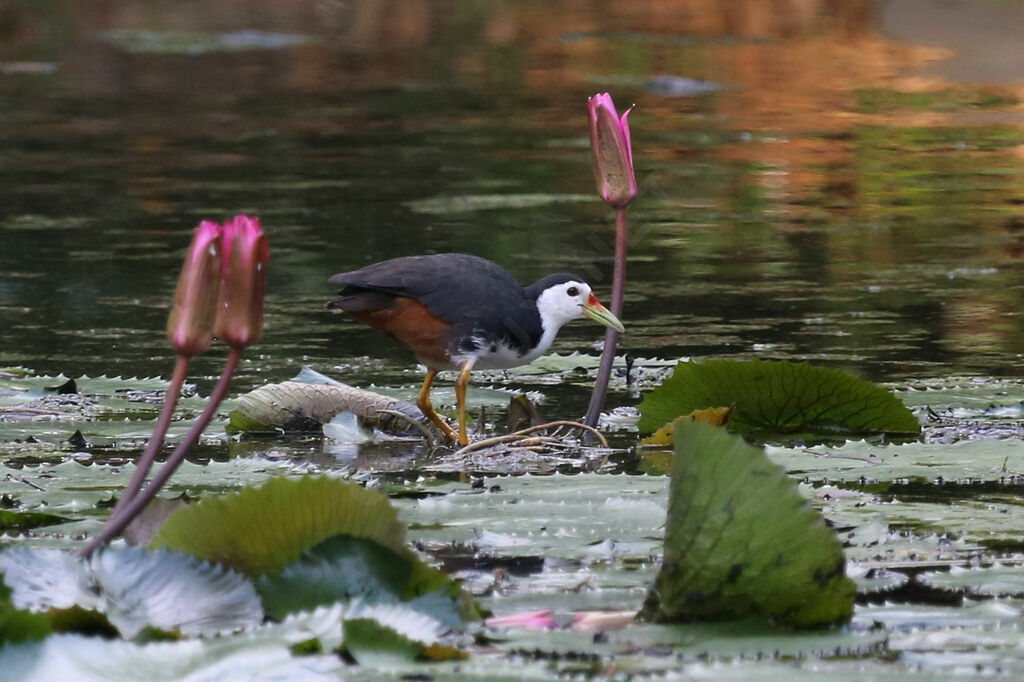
(616, 183)
(235, 316)
(611, 151)
(190, 331)
(240, 308)
(190, 324)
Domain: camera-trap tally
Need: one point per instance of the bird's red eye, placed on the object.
(572, 291)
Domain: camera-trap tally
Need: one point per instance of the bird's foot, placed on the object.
(457, 438)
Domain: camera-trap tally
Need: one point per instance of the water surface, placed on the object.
(828, 187)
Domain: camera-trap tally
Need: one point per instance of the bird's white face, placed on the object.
(562, 303)
(567, 301)
(558, 304)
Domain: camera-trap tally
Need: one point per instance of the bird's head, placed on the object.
(563, 298)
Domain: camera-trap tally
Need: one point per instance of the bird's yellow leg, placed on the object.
(461, 384)
(423, 402)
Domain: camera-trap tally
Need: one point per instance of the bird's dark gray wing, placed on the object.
(471, 293)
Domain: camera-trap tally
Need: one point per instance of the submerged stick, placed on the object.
(519, 436)
(564, 422)
(501, 440)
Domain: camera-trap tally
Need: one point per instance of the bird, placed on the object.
(461, 312)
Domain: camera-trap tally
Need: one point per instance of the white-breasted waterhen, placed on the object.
(462, 312)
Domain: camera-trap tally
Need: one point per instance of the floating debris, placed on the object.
(679, 86)
(188, 43)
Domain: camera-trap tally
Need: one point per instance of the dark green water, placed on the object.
(801, 211)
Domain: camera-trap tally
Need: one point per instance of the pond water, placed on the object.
(836, 182)
(836, 196)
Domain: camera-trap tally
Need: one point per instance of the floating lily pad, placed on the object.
(76, 490)
(903, 617)
(992, 581)
(107, 411)
(647, 649)
(779, 400)
(568, 542)
(580, 368)
(20, 521)
(876, 580)
(866, 462)
(813, 669)
(966, 397)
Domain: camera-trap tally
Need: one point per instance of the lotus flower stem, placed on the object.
(118, 521)
(190, 331)
(156, 441)
(611, 337)
(612, 153)
(220, 292)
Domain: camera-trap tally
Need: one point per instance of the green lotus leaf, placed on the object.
(261, 530)
(337, 569)
(21, 521)
(779, 400)
(741, 541)
(373, 643)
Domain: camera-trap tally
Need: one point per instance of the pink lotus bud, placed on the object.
(613, 156)
(240, 309)
(190, 325)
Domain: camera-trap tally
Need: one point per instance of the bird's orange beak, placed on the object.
(598, 313)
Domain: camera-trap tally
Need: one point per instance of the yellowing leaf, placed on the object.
(712, 416)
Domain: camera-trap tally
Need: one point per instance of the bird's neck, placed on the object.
(549, 330)
(550, 323)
